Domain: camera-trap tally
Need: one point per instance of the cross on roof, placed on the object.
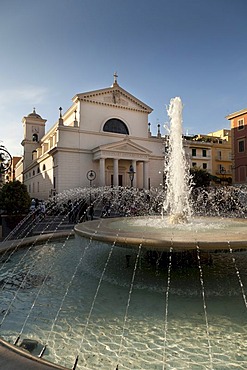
(115, 77)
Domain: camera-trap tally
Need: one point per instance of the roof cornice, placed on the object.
(89, 97)
(236, 114)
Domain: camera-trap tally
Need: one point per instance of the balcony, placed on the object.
(200, 156)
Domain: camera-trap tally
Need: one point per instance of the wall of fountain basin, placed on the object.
(156, 233)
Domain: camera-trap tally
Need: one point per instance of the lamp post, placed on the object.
(223, 172)
(131, 173)
(91, 175)
(5, 161)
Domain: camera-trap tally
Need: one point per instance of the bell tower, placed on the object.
(34, 130)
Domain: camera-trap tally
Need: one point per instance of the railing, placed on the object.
(200, 156)
(228, 172)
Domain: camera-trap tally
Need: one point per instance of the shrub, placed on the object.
(200, 177)
(14, 198)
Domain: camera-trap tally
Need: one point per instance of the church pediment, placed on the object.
(123, 149)
(126, 145)
(114, 96)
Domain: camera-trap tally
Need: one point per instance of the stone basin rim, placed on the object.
(105, 230)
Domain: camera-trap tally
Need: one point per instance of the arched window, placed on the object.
(34, 155)
(117, 126)
(35, 137)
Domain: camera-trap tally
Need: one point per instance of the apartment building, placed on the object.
(238, 122)
(212, 152)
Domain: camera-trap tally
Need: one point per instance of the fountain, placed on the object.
(140, 291)
(178, 228)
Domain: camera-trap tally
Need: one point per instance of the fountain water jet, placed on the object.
(176, 203)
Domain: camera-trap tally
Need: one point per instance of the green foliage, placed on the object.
(200, 177)
(14, 198)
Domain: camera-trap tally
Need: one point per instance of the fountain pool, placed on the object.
(85, 299)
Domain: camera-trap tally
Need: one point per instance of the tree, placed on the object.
(14, 198)
(200, 177)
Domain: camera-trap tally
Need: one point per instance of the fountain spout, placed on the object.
(176, 204)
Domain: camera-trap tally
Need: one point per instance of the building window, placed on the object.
(204, 152)
(34, 155)
(193, 164)
(241, 124)
(117, 126)
(204, 166)
(33, 172)
(241, 146)
(35, 138)
(193, 152)
(44, 168)
(219, 154)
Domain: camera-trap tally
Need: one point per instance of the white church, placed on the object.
(103, 139)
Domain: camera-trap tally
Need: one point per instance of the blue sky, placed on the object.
(54, 49)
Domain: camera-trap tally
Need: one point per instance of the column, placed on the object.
(115, 172)
(102, 171)
(135, 176)
(145, 175)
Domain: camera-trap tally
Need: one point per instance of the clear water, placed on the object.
(89, 310)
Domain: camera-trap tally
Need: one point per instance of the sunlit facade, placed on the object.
(239, 145)
(105, 131)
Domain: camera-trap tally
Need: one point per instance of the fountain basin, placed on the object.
(116, 327)
(209, 233)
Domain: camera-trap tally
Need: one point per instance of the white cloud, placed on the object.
(23, 94)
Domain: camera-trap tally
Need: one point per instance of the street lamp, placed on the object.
(131, 175)
(5, 164)
(223, 172)
(5, 160)
(91, 175)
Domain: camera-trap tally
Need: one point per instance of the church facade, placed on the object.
(103, 139)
